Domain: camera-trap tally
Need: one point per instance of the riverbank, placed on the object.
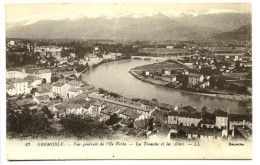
(218, 95)
(102, 62)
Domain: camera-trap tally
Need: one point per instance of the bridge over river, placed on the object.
(162, 58)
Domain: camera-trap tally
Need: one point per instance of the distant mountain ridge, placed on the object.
(158, 27)
(243, 33)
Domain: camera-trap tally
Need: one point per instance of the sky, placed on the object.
(30, 13)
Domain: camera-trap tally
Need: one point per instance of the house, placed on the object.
(238, 120)
(72, 55)
(12, 43)
(33, 81)
(167, 72)
(63, 60)
(44, 89)
(147, 73)
(141, 124)
(17, 86)
(96, 48)
(94, 60)
(75, 105)
(74, 92)
(28, 102)
(42, 99)
(16, 73)
(107, 112)
(61, 89)
(169, 47)
(186, 116)
(147, 112)
(68, 73)
(221, 119)
(203, 134)
(10, 89)
(185, 72)
(195, 79)
(189, 116)
(172, 117)
(118, 54)
(83, 62)
(109, 56)
(59, 111)
(207, 123)
(93, 108)
(163, 134)
(169, 78)
(76, 109)
(44, 74)
(206, 82)
(127, 113)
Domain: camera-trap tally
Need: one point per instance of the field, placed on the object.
(163, 65)
(164, 51)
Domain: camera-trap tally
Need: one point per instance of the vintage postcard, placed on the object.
(128, 81)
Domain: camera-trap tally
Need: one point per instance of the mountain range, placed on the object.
(223, 26)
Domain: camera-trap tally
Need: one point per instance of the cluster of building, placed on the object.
(179, 77)
(96, 57)
(204, 126)
(159, 121)
(63, 56)
(21, 81)
(235, 70)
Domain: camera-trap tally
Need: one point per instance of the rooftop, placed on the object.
(239, 117)
(207, 121)
(10, 86)
(73, 89)
(190, 109)
(129, 112)
(60, 107)
(58, 84)
(75, 83)
(245, 131)
(43, 71)
(110, 110)
(32, 78)
(44, 97)
(24, 102)
(194, 75)
(163, 131)
(120, 103)
(15, 80)
(220, 113)
(201, 131)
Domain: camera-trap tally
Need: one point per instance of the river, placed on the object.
(115, 77)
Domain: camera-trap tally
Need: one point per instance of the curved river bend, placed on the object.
(115, 77)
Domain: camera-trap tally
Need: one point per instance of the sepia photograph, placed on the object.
(128, 81)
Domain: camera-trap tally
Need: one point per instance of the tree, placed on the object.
(64, 53)
(204, 109)
(44, 81)
(155, 102)
(102, 91)
(80, 68)
(54, 79)
(25, 123)
(46, 111)
(112, 120)
(181, 134)
(83, 126)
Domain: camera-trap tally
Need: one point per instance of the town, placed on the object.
(47, 95)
